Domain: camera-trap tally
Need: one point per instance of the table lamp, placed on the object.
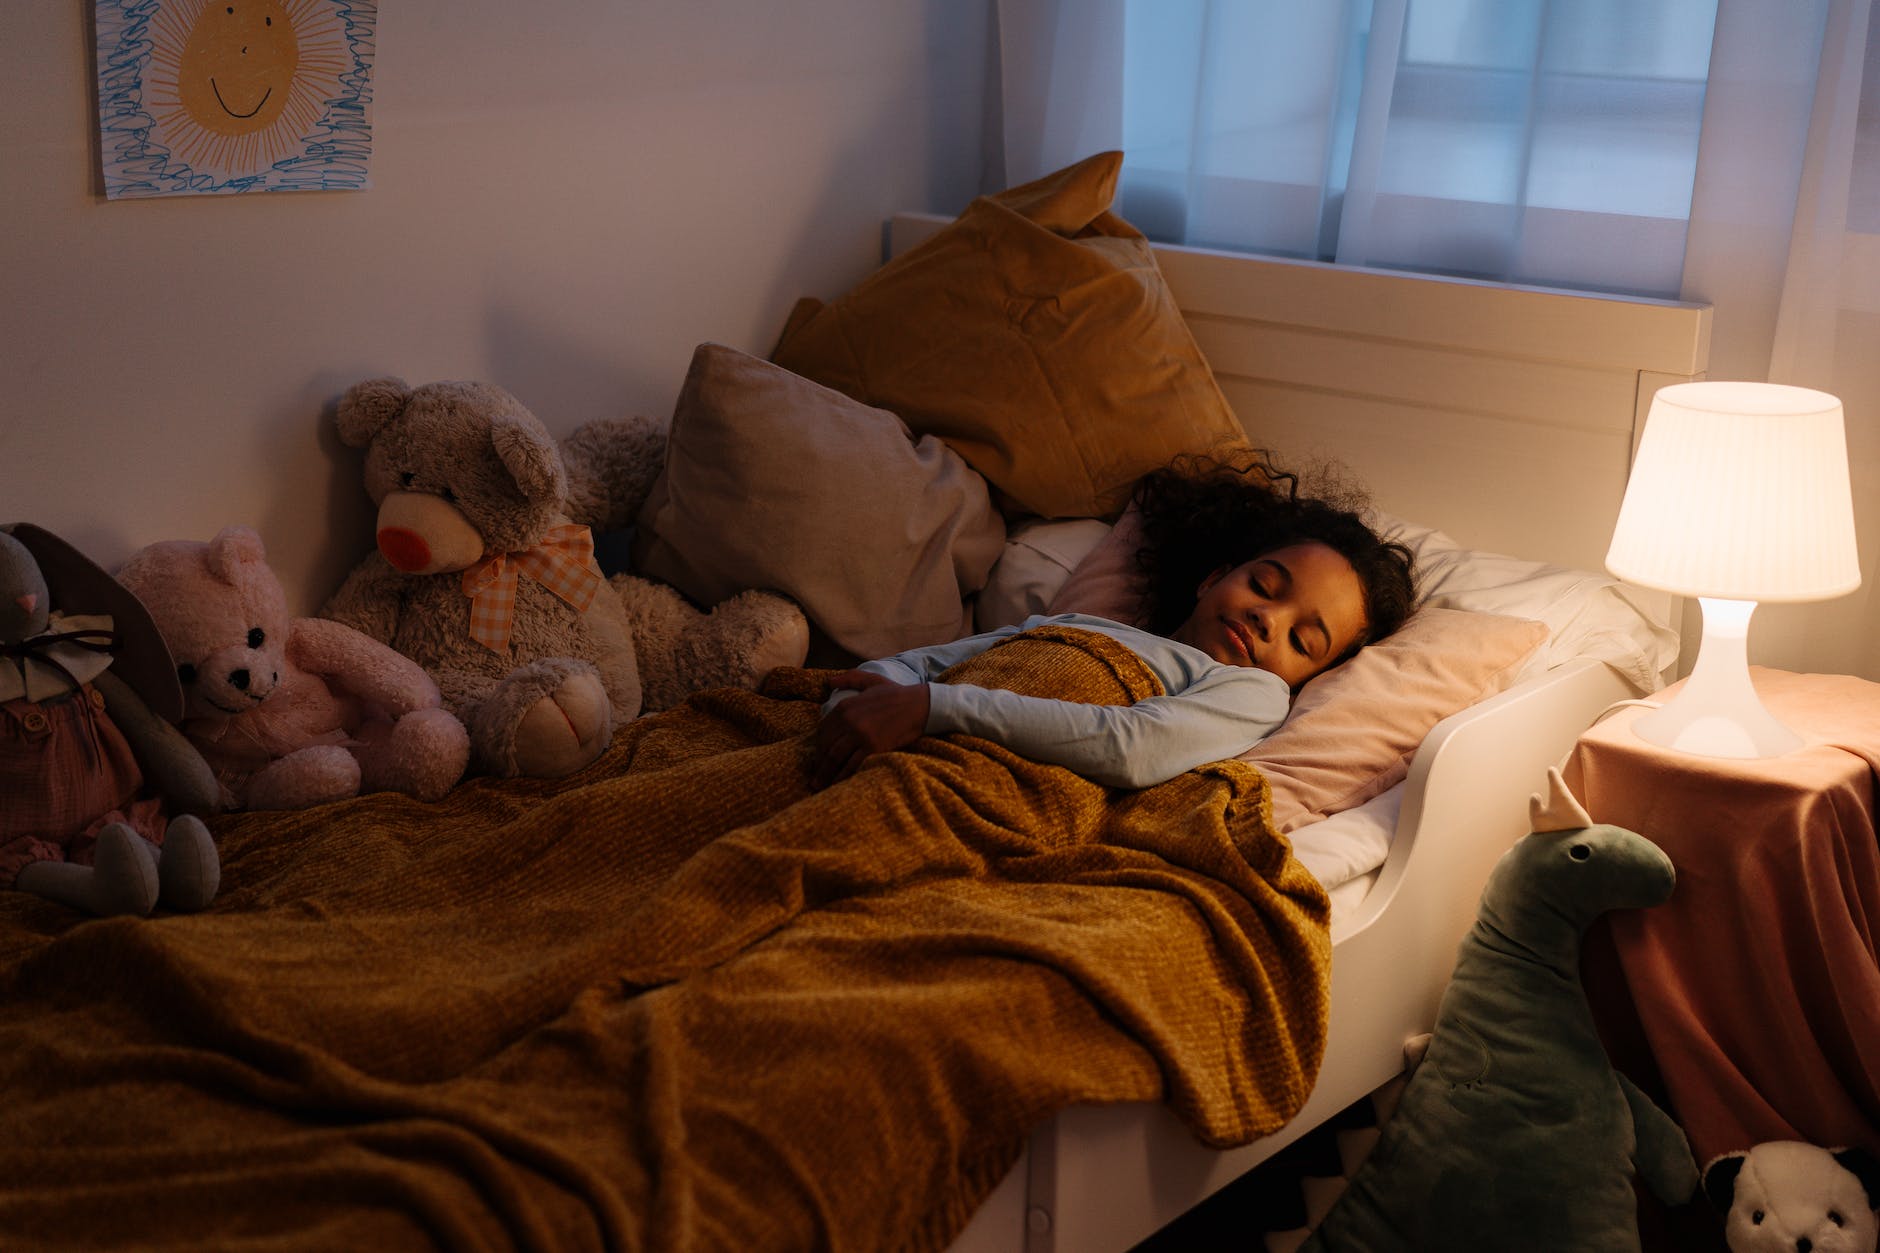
(1739, 494)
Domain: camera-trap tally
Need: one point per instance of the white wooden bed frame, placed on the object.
(1505, 416)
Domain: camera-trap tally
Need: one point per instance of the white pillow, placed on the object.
(1037, 558)
(1586, 614)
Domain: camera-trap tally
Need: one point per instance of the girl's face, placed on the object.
(1292, 611)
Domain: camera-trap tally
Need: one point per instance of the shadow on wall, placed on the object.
(326, 547)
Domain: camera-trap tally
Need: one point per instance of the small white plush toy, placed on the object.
(1797, 1198)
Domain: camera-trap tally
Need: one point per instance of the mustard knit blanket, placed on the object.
(674, 1002)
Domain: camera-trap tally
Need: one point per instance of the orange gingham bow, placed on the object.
(563, 563)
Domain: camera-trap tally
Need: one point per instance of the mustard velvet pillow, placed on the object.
(772, 481)
(1036, 336)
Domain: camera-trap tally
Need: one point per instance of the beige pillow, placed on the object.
(772, 481)
(1353, 730)
(1034, 334)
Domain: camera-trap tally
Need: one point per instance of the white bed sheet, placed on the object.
(1350, 894)
(1346, 847)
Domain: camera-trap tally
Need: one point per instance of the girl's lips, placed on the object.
(1242, 639)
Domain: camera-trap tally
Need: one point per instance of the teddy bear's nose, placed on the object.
(240, 679)
(404, 548)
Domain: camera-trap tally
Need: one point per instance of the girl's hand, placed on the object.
(882, 716)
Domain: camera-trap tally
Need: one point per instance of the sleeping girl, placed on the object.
(1250, 590)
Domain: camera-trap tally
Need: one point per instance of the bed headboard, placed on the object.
(1504, 415)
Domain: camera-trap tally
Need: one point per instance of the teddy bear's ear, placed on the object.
(1865, 1167)
(532, 461)
(367, 407)
(231, 547)
(1720, 1179)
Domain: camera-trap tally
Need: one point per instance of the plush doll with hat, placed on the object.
(1784, 1196)
(290, 712)
(483, 578)
(100, 795)
(1515, 1132)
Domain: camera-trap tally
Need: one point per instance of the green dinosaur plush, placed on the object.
(1515, 1132)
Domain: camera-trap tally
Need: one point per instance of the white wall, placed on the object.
(567, 197)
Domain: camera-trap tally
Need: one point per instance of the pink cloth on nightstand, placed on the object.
(1756, 988)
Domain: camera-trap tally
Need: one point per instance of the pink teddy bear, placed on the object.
(289, 712)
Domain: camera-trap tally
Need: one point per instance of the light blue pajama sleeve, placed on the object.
(922, 665)
(1210, 711)
(1221, 714)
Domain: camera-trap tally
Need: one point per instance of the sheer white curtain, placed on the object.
(1785, 244)
(1547, 141)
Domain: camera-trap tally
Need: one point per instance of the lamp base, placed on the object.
(1717, 712)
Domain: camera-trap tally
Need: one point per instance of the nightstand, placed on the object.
(1749, 1002)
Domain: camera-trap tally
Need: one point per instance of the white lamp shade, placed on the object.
(1739, 490)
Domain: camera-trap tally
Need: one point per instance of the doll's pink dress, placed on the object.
(66, 771)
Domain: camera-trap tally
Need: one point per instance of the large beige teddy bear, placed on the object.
(484, 578)
(290, 712)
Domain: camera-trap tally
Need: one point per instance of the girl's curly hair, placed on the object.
(1204, 513)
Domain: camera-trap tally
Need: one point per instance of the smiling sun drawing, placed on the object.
(212, 96)
(236, 85)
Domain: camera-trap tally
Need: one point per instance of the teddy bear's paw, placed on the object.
(122, 878)
(188, 871)
(565, 730)
(317, 775)
(735, 645)
(423, 754)
(546, 719)
(773, 630)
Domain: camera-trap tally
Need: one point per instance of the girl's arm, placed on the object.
(894, 712)
(883, 716)
(918, 665)
(1220, 715)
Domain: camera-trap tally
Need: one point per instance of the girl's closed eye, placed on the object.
(1288, 611)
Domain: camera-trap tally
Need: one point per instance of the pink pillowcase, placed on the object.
(1352, 730)
(1103, 584)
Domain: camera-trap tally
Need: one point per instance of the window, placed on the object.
(1546, 141)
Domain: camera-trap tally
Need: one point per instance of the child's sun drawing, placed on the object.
(233, 95)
